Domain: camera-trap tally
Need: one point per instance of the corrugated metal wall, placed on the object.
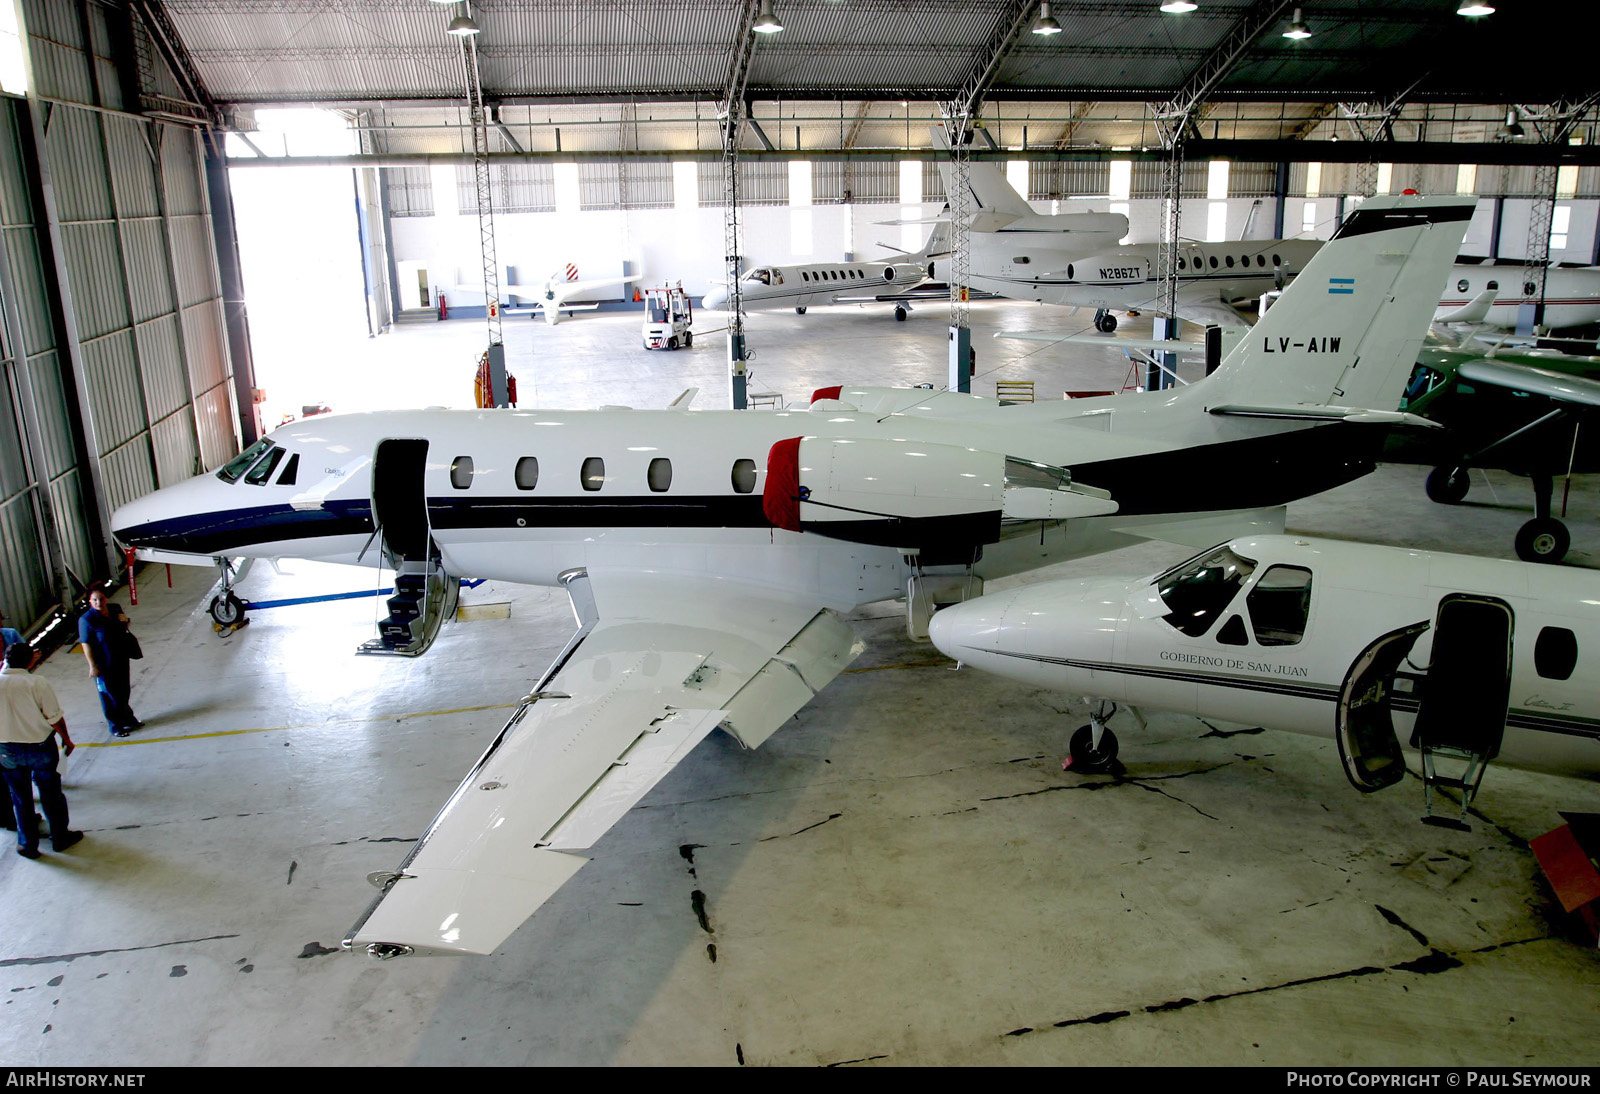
(137, 261)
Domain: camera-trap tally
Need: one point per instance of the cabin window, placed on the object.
(1529, 288)
(593, 473)
(230, 471)
(527, 473)
(1493, 285)
(290, 471)
(263, 470)
(1261, 261)
(1461, 286)
(1069, 271)
(1229, 260)
(1180, 263)
(744, 476)
(1279, 605)
(1022, 260)
(461, 472)
(1196, 593)
(659, 476)
(1276, 261)
(1555, 654)
(1213, 262)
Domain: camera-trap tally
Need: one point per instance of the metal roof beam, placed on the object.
(165, 36)
(1176, 116)
(968, 100)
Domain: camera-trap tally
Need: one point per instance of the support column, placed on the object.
(225, 234)
(738, 354)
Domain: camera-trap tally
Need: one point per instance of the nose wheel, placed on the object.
(226, 609)
(1092, 750)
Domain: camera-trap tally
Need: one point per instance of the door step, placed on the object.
(424, 597)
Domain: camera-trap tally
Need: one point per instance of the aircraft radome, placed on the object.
(707, 552)
(1321, 637)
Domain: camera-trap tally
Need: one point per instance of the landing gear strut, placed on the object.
(1544, 538)
(227, 610)
(1093, 748)
(1104, 321)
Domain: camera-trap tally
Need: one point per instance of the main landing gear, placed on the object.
(1093, 748)
(1542, 539)
(900, 314)
(1104, 321)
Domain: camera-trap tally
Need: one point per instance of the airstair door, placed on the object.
(400, 500)
(1364, 723)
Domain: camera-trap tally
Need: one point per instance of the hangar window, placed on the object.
(744, 476)
(230, 471)
(659, 476)
(1461, 286)
(1279, 605)
(1555, 654)
(290, 471)
(461, 472)
(593, 473)
(1197, 592)
(263, 470)
(527, 473)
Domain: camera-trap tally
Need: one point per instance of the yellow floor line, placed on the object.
(121, 742)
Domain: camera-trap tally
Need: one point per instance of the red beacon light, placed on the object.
(1408, 190)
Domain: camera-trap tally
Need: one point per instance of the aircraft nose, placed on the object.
(962, 630)
(170, 518)
(715, 300)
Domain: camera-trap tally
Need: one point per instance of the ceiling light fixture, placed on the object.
(1473, 8)
(1046, 24)
(1178, 7)
(1297, 28)
(766, 22)
(462, 26)
(1513, 126)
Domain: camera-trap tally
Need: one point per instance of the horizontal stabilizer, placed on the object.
(1473, 311)
(1327, 414)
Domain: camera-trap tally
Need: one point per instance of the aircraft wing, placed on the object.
(1212, 313)
(1535, 381)
(658, 663)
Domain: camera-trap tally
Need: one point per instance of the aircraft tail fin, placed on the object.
(1347, 331)
(987, 188)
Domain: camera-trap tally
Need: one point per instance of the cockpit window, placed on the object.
(764, 276)
(264, 467)
(230, 471)
(1197, 593)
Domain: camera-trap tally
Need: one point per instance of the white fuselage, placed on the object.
(1571, 296)
(1127, 277)
(1118, 639)
(820, 283)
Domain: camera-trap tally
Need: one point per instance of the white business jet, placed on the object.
(1021, 261)
(707, 552)
(1571, 296)
(1477, 659)
(799, 287)
(553, 296)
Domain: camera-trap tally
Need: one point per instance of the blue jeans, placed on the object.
(21, 763)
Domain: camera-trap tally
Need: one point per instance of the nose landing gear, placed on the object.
(227, 610)
(1092, 749)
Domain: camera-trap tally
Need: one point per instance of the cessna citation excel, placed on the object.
(707, 552)
(799, 287)
(1479, 658)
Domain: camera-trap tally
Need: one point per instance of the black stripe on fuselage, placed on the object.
(1567, 725)
(224, 530)
(598, 511)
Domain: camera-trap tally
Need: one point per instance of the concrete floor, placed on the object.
(902, 875)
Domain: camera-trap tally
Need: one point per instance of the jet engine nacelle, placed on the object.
(904, 273)
(1111, 268)
(943, 500)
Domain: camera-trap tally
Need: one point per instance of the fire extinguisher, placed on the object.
(444, 308)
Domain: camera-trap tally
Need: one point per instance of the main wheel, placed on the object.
(1085, 757)
(1106, 323)
(672, 343)
(899, 315)
(226, 609)
(1448, 485)
(688, 339)
(800, 309)
(1543, 539)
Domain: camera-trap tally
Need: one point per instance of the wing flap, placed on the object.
(655, 667)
